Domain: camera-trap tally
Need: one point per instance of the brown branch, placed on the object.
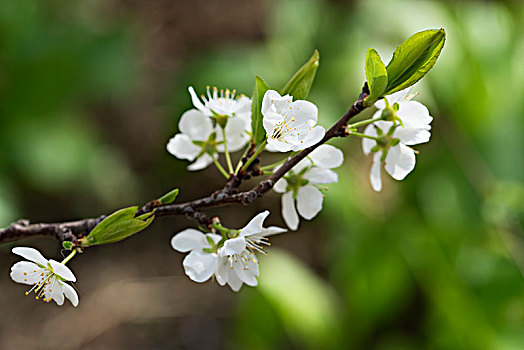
(72, 231)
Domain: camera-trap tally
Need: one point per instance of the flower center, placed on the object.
(283, 128)
(45, 281)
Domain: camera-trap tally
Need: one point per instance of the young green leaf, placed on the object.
(413, 59)
(117, 226)
(168, 197)
(67, 245)
(300, 83)
(376, 75)
(259, 133)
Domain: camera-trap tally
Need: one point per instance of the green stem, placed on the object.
(364, 136)
(363, 122)
(242, 157)
(220, 168)
(271, 166)
(226, 152)
(69, 257)
(259, 150)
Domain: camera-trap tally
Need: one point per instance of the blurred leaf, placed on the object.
(376, 75)
(300, 83)
(117, 226)
(413, 59)
(304, 302)
(259, 133)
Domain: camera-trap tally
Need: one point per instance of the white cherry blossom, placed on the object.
(396, 137)
(236, 109)
(200, 138)
(47, 277)
(290, 126)
(239, 263)
(300, 184)
(201, 263)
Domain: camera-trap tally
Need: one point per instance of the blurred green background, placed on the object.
(90, 92)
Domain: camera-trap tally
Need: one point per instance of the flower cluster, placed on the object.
(402, 123)
(230, 258)
(202, 129)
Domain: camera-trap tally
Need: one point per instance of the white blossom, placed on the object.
(236, 109)
(396, 137)
(239, 263)
(300, 184)
(47, 277)
(200, 138)
(290, 126)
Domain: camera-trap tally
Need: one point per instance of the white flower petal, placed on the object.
(196, 101)
(304, 163)
(414, 115)
(234, 282)
(368, 144)
(309, 201)
(279, 145)
(272, 230)
(312, 138)
(245, 268)
(235, 134)
(289, 212)
(255, 225)
(396, 97)
(200, 266)
(327, 156)
(233, 246)
(270, 119)
(182, 147)
(70, 294)
(223, 270)
(319, 176)
(62, 271)
(280, 186)
(375, 176)
(411, 136)
(23, 272)
(189, 239)
(281, 103)
(202, 162)
(30, 254)
(400, 161)
(196, 125)
(57, 293)
(303, 111)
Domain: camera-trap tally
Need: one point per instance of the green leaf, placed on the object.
(413, 59)
(67, 245)
(117, 226)
(300, 83)
(376, 75)
(168, 197)
(259, 133)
